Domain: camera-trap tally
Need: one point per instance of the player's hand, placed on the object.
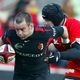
(53, 58)
(6, 58)
(2, 59)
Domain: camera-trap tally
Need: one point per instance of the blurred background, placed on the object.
(9, 9)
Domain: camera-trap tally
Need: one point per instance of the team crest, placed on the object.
(40, 46)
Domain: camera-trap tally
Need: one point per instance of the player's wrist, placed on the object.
(55, 57)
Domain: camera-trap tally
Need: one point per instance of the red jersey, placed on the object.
(73, 27)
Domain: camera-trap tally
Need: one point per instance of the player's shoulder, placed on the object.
(10, 32)
(42, 29)
(72, 20)
(72, 23)
(43, 32)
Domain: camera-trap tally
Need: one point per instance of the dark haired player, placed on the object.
(69, 47)
(29, 44)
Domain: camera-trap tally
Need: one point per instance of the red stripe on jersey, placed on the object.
(8, 40)
(41, 29)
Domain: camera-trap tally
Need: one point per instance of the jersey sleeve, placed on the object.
(6, 37)
(55, 31)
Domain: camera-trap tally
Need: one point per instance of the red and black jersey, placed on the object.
(29, 52)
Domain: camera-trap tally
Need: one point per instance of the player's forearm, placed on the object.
(56, 31)
(71, 54)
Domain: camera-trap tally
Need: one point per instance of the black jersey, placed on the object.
(29, 52)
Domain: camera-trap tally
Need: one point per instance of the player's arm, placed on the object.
(52, 57)
(3, 38)
(73, 53)
(2, 59)
(5, 55)
(58, 31)
(70, 54)
(2, 56)
(51, 47)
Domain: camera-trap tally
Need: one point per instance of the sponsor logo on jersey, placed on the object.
(19, 46)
